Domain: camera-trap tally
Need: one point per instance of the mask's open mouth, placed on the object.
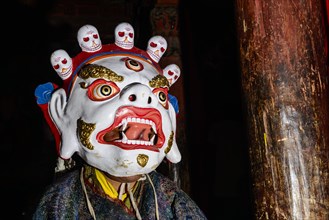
(134, 128)
(134, 131)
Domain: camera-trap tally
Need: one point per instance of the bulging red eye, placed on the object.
(162, 49)
(86, 39)
(131, 35)
(95, 36)
(56, 67)
(101, 90)
(64, 61)
(152, 44)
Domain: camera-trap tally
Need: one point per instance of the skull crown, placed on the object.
(91, 45)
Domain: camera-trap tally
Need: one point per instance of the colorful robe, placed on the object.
(66, 199)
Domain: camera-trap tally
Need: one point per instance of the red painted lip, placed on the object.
(143, 113)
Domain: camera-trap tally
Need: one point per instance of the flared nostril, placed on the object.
(138, 94)
(132, 97)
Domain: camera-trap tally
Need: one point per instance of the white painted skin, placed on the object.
(121, 162)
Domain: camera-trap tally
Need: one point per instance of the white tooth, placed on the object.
(124, 125)
(152, 139)
(143, 120)
(124, 141)
(154, 128)
(133, 119)
(138, 141)
(129, 141)
(133, 141)
(147, 121)
(138, 120)
(128, 119)
(124, 137)
(142, 143)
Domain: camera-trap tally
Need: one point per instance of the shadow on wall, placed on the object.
(215, 118)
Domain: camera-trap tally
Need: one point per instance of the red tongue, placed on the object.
(137, 131)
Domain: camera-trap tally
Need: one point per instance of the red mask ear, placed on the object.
(44, 106)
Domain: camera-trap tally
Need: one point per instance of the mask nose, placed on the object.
(138, 94)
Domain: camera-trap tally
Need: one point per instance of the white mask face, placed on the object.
(113, 109)
(117, 117)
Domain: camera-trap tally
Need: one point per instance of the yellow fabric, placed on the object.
(107, 186)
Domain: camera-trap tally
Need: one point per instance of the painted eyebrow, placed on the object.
(159, 81)
(97, 71)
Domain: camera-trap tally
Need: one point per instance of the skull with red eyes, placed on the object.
(89, 39)
(116, 111)
(62, 63)
(124, 35)
(156, 47)
(172, 73)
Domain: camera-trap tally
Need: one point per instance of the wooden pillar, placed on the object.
(165, 20)
(285, 85)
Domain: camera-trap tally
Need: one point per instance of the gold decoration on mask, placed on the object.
(96, 71)
(84, 131)
(170, 142)
(159, 81)
(142, 159)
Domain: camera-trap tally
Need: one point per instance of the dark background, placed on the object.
(215, 132)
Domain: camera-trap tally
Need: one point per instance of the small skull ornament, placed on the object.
(156, 47)
(62, 63)
(89, 39)
(124, 35)
(172, 73)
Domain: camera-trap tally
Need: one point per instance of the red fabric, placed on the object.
(53, 128)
